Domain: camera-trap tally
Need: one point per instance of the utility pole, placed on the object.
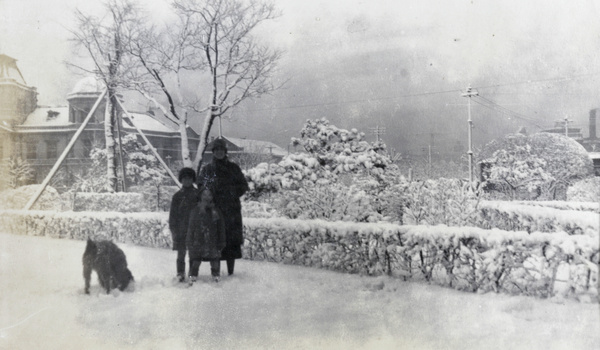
(470, 93)
(378, 131)
(567, 125)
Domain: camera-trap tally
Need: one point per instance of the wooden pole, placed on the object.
(165, 166)
(121, 163)
(66, 151)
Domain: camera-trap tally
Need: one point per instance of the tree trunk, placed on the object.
(109, 136)
(208, 122)
(185, 145)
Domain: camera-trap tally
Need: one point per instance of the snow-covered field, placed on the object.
(264, 306)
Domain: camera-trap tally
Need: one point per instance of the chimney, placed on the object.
(593, 113)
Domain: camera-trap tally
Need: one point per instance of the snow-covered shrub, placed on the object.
(18, 197)
(20, 172)
(442, 201)
(333, 202)
(586, 190)
(123, 202)
(340, 177)
(141, 168)
(539, 166)
(254, 209)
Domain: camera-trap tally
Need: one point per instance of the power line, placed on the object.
(356, 101)
(505, 111)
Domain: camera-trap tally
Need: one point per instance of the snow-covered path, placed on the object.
(264, 306)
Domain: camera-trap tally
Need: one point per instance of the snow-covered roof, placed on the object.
(48, 116)
(594, 155)
(146, 122)
(257, 146)
(88, 86)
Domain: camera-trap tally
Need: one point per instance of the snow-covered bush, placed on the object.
(20, 172)
(586, 190)
(442, 201)
(539, 166)
(254, 209)
(18, 197)
(340, 177)
(141, 168)
(333, 202)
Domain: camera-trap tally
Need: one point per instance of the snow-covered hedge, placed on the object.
(124, 202)
(585, 190)
(157, 198)
(149, 229)
(17, 198)
(465, 258)
(512, 216)
(564, 205)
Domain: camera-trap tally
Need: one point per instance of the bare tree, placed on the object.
(104, 40)
(238, 66)
(165, 55)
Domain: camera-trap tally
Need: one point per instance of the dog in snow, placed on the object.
(110, 264)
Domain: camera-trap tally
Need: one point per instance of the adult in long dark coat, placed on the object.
(182, 204)
(227, 183)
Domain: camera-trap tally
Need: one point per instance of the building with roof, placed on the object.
(248, 153)
(39, 134)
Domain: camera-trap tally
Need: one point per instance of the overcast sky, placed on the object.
(397, 64)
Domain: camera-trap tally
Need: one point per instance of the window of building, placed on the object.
(51, 149)
(31, 150)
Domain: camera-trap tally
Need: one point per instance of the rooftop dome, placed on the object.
(86, 87)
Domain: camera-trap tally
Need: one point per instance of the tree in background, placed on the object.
(538, 166)
(339, 177)
(142, 168)
(20, 172)
(166, 55)
(237, 66)
(104, 40)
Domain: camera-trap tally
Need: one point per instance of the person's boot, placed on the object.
(181, 277)
(191, 280)
(230, 266)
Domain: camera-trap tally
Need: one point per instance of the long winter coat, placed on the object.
(182, 204)
(227, 183)
(206, 233)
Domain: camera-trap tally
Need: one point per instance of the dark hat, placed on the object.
(219, 143)
(187, 172)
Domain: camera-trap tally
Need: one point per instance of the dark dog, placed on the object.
(110, 264)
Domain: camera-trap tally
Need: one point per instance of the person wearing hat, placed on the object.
(182, 203)
(227, 183)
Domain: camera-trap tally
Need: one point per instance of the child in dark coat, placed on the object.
(182, 204)
(205, 237)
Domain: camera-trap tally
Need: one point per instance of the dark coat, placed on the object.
(182, 204)
(227, 183)
(206, 233)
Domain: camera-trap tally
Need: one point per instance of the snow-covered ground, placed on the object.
(264, 306)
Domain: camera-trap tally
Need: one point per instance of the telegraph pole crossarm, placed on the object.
(470, 93)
